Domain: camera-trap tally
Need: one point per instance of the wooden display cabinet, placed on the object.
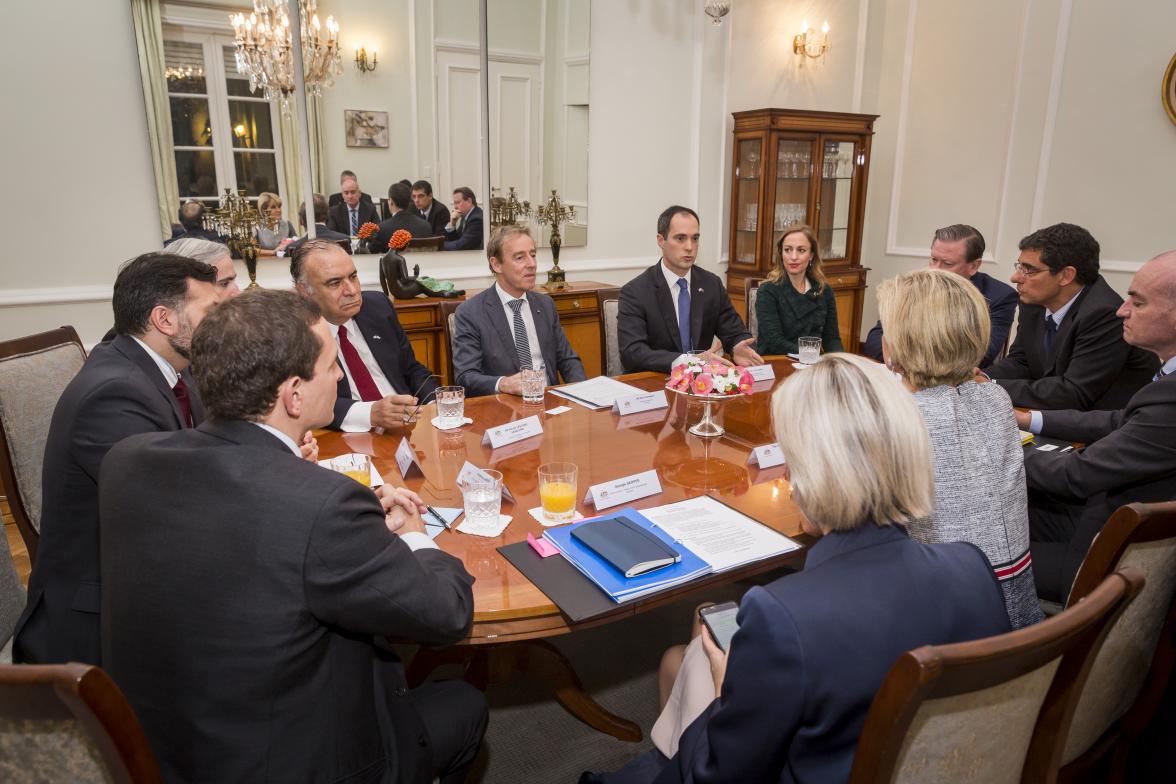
(793, 166)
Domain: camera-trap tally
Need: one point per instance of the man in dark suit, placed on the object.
(1069, 351)
(464, 231)
(247, 587)
(136, 383)
(352, 211)
(381, 380)
(192, 221)
(321, 232)
(958, 249)
(1130, 454)
(399, 199)
(433, 211)
(675, 307)
(337, 198)
(509, 327)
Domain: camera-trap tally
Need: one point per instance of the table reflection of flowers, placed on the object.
(712, 382)
(365, 234)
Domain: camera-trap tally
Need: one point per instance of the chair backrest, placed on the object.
(69, 722)
(1131, 670)
(34, 371)
(992, 710)
(448, 309)
(610, 344)
(424, 244)
(12, 600)
(750, 293)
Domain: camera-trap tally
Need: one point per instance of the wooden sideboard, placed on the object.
(579, 313)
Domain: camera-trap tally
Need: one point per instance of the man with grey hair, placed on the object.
(382, 383)
(1130, 454)
(214, 254)
(352, 212)
(958, 248)
(321, 231)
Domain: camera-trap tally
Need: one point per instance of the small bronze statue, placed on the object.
(396, 283)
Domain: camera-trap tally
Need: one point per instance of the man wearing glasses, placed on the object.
(1069, 352)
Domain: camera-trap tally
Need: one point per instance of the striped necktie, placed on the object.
(1159, 374)
(522, 346)
(354, 221)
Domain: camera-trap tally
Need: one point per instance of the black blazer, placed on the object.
(1002, 308)
(118, 392)
(438, 218)
(483, 343)
(389, 344)
(468, 234)
(813, 647)
(339, 220)
(408, 220)
(647, 325)
(245, 587)
(1090, 366)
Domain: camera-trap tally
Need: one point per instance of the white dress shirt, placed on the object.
(170, 375)
(672, 279)
(528, 322)
(359, 417)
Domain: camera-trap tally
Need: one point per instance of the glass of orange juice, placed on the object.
(356, 466)
(557, 491)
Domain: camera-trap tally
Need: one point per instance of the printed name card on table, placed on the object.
(621, 491)
(406, 460)
(766, 456)
(763, 372)
(468, 469)
(633, 404)
(513, 431)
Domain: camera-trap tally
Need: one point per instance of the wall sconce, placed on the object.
(805, 43)
(361, 59)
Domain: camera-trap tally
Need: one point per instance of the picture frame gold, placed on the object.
(1168, 90)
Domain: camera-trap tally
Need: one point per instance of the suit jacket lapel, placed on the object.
(497, 317)
(665, 301)
(543, 331)
(194, 401)
(127, 346)
(382, 350)
(1065, 328)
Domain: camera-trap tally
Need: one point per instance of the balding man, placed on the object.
(382, 381)
(192, 220)
(352, 212)
(1130, 454)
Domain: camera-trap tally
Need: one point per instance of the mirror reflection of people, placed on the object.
(321, 231)
(337, 198)
(788, 700)
(352, 211)
(433, 211)
(796, 301)
(192, 221)
(401, 218)
(275, 231)
(249, 586)
(464, 231)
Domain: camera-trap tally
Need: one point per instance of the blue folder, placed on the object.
(610, 580)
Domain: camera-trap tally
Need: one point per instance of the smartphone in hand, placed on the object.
(719, 620)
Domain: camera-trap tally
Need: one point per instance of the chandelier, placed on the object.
(264, 52)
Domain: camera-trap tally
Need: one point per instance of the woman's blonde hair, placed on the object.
(855, 443)
(936, 326)
(814, 270)
(265, 199)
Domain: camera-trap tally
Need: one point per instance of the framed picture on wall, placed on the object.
(365, 129)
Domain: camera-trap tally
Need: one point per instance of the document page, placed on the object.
(597, 393)
(721, 536)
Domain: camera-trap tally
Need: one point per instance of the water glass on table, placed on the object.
(358, 467)
(810, 350)
(557, 491)
(450, 406)
(481, 497)
(534, 384)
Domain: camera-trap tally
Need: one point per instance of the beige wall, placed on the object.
(1009, 115)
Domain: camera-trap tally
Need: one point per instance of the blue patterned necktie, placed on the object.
(354, 222)
(522, 347)
(1051, 329)
(684, 314)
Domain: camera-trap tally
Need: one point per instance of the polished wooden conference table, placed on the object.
(508, 608)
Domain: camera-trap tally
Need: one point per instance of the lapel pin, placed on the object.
(376, 337)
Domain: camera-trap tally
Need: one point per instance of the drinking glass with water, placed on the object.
(810, 350)
(481, 496)
(450, 406)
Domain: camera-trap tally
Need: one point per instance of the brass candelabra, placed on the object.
(237, 219)
(507, 210)
(555, 212)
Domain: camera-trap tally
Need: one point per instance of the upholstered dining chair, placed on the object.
(34, 371)
(423, 244)
(69, 722)
(992, 710)
(12, 600)
(1134, 666)
(449, 319)
(750, 293)
(610, 342)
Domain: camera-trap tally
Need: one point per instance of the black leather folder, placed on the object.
(626, 546)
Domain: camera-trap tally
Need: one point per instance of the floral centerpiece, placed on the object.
(399, 239)
(696, 375)
(367, 233)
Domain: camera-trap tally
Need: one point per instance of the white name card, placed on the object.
(621, 491)
(766, 456)
(406, 460)
(513, 431)
(763, 372)
(634, 404)
(468, 469)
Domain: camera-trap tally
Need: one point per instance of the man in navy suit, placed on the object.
(510, 327)
(382, 381)
(465, 227)
(958, 249)
(137, 383)
(433, 211)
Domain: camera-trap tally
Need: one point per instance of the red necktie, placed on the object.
(180, 390)
(364, 383)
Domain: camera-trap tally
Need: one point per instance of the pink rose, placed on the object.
(676, 374)
(745, 382)
(703, 384)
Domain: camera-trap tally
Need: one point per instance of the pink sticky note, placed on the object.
(545, 548)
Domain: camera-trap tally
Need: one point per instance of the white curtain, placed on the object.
(149, 37)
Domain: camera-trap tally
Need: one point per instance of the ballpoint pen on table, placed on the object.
(437, 515)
